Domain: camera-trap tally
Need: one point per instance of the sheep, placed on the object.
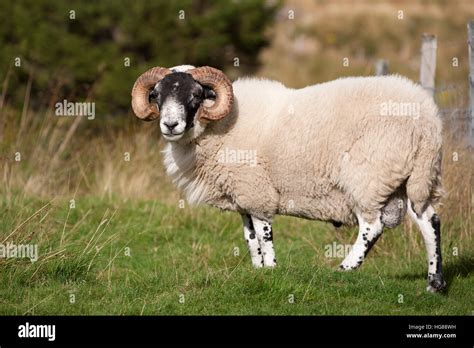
(356, 150)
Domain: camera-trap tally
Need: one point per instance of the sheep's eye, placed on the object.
(195, 98)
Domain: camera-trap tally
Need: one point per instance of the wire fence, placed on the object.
(454, 109)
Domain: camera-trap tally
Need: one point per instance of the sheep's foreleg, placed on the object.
(430, 227)
(252, 242)
(264, 236)
(368, 235)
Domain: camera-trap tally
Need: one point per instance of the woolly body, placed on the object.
(325, 152)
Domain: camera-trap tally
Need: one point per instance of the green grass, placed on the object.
(191, 252)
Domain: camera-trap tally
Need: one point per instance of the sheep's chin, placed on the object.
(187, 136)
(172, 137)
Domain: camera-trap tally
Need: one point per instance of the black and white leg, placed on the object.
(368, 235)
(252, 242)
(430, 227)
(263, 230)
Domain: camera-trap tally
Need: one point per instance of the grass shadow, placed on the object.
(462, 266)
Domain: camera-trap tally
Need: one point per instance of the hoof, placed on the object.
(436, 283)
(350, 265)
(344, 268)
(270, 263)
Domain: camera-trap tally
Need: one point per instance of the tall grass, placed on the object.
(50, 156)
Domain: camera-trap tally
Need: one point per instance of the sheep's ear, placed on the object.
(209, 93)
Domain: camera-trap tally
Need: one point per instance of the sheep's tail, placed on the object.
(424, 186)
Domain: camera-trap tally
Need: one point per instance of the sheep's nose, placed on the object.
(170, 125)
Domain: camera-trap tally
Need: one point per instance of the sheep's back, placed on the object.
(314, 130)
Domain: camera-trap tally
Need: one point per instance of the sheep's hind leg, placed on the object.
(263, 230)
(368, 235)
(252, 242)
(430, 227)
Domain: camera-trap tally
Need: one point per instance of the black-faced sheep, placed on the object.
(355, 150)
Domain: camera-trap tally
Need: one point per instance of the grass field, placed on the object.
(146, 258)
(126, 247)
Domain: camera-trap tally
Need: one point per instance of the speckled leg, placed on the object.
(252, 242)
(263, 229)
(368, 235)
(430, 227)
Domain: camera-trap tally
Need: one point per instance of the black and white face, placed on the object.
(179, 97)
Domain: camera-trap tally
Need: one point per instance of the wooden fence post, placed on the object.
(381, 67)
(428, 62)
(470, 41)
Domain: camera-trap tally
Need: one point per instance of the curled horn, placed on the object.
(141, 105)
(220, 84)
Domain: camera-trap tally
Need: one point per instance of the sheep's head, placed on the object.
(182, 99)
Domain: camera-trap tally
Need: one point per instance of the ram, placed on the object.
(357, 150)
